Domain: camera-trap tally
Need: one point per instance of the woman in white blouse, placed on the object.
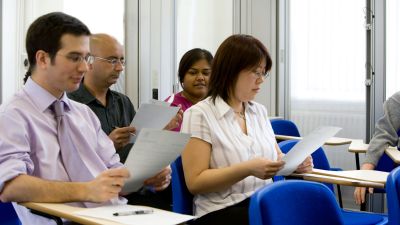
(232, 151)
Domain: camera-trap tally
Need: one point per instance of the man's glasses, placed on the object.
(77, 58)
(113, 61)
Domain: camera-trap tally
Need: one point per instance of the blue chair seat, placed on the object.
(303, 203)
(357, 218)
(393, 196)
(8, 216)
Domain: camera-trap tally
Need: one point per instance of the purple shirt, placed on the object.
(179, 100)
(29, 144)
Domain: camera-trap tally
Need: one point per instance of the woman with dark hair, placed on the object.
(194, 72)
(232, 151)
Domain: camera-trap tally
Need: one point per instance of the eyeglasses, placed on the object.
(77, 58)
(261, 74)
(113, 61)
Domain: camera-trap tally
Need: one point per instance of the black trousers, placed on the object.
(159, 199)
(233, 215)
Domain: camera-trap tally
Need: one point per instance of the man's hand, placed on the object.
(107, 185)
(359, 192)
(161, 180)
(121, 136)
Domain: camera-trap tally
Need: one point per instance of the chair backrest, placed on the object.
(393, 196)
(285, 127)
(294, 202)
(319, 158)
(182, 199)
(8, 216)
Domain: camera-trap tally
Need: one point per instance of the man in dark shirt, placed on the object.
(115, 112)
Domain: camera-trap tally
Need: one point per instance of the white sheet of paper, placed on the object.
(306, 147)
(155, 116)
(158, 102)
(158, 217)
(153, 151)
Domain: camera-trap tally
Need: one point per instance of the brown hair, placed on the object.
(190, 58)
(237, 53)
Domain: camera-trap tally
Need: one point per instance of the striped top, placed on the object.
(216, 124)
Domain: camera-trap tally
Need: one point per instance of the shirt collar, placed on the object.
(223, 108)
(85, 96)
(41, 97)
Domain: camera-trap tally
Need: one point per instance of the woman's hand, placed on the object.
(306, 166)
(264, 168)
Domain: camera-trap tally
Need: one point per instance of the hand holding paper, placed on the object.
(306, 147)
(161, 180)
(153, 151)
(121, 136)
(264, 168)
(155, 116)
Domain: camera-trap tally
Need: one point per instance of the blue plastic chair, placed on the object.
(294, 202)
(8, 216)
(285, 127)
(385, 164)
(320, 162)
(182, 199)
(303, 203)
(393, 197)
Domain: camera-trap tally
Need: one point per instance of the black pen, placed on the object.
(134, 212)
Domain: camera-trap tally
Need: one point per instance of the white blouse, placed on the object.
(216, 124)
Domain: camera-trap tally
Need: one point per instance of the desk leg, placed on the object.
(357, 161)
(363, 206)
(58, 220)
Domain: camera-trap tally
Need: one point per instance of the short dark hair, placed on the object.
(45, 34)
(238, 52)
(190, 58)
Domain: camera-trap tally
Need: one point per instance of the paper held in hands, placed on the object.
(152, 152)
(154, 115)
(306, 147)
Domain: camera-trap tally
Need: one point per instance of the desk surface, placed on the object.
(67, 212)
(330, 141)
(393, 153)
(357, 178)
(358, 146)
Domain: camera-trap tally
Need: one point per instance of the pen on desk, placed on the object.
(134, 212)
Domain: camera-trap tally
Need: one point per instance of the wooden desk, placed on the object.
(67, 212)
(330, 141)
(357, 178)
(394, 154)
(104, 215)
(357, 146)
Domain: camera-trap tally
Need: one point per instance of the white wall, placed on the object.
(151, 45)
(258, 18)
(157, 65)
(156, 48)
(11, 32)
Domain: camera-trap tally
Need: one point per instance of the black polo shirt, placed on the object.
(118, 112)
